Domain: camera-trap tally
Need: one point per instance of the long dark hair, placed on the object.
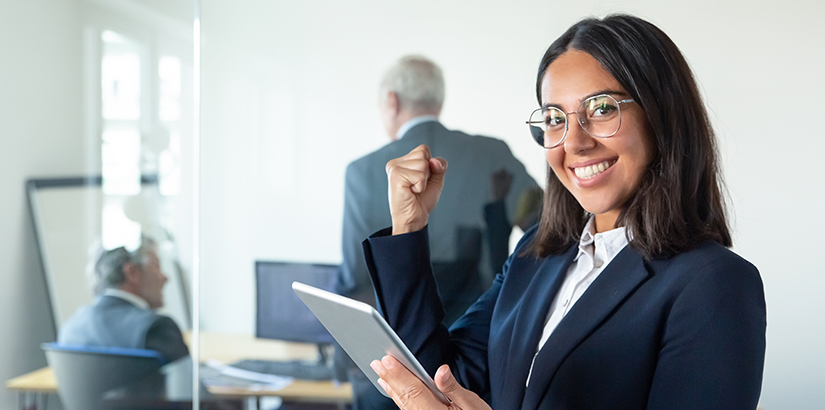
(679, 202)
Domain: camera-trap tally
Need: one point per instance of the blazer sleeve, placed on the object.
(713, 346)
(165, 337)
(408, 299)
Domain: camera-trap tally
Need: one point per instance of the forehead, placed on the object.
(572, 77)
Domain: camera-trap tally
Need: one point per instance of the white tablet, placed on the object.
(362, 333)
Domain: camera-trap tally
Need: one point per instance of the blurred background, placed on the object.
(289, 96)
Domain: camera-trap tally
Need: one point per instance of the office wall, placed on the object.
(289, 98)
(40, 135)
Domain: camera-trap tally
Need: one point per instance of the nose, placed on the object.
(577, 139)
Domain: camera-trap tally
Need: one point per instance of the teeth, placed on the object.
(592, 170)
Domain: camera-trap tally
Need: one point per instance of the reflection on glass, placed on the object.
(120, 105)
(117, 229)
(120, 77)
(169, 113)
(120, 161)
(169, 74)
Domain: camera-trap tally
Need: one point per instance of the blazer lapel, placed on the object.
(620, 278)
(527, 330)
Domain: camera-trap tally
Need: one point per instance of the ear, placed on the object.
(392, 102)
(131, 273)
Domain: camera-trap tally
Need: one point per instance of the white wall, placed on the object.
(289, 98)
(40, 135)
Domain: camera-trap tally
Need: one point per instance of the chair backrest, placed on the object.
(85, 373)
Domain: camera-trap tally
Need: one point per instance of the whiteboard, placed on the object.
(67, 214)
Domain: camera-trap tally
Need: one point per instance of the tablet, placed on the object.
(362, 333)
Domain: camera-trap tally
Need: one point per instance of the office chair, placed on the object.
(85, 373)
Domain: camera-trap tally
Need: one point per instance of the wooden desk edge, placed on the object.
(43, 381)
(40, 380)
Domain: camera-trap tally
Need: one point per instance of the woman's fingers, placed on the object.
(407, 391)
(461, 397)
(415, 182)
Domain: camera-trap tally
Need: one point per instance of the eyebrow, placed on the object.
(593, 94)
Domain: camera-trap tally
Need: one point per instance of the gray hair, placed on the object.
(418, 83)
(108, 268)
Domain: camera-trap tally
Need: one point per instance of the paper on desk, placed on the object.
(261, 381)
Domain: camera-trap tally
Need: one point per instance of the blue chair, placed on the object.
(85, 373)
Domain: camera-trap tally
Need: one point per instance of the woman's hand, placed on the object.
(409, 392)
(415, 182)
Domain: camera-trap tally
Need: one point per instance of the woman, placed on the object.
(624, 295)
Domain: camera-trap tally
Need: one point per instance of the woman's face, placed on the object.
(609, 169)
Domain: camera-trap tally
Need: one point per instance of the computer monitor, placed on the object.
(280, 313)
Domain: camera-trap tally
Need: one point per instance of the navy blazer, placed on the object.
(686, 332)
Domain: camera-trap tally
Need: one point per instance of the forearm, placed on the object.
(408, 298)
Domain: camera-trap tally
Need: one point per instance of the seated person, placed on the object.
(129, 286)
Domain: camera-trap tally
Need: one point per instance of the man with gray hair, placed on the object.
(411, 98)
(129, 286)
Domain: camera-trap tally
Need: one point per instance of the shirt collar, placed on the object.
(413, 122)
(613, 240)
(129, 297)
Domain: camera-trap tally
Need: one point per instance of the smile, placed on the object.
(591, 171)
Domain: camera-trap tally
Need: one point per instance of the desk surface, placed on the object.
(228, 349)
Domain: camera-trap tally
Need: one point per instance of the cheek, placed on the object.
(555, 160)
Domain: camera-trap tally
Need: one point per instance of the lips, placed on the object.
(591, 171)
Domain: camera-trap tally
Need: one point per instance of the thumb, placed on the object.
(445, 382)
(438, 167)
(461, 397)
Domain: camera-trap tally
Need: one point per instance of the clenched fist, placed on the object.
(415, 183)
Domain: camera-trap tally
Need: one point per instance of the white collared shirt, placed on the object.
(129, 297)
(413, 122)
(596, 250)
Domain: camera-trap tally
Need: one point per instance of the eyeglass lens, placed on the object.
(599, 116)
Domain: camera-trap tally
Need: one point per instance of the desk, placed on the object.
(227, 349)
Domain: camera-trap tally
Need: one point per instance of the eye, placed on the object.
(601, 107)
(554, 118)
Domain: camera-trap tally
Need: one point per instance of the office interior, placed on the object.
(250, 136)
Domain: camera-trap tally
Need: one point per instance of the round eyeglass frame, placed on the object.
(534, 129)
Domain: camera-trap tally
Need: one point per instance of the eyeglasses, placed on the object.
(600, 116)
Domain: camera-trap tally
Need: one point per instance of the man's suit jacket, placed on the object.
(113, 322)
(686, 332)
(458, 224)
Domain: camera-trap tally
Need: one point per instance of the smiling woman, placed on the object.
(625, 293)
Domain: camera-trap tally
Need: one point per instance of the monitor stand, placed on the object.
(325, 354)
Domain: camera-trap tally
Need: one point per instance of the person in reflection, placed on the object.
(625, 294)
(410, 102)
(129, 286)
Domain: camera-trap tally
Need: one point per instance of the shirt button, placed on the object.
(598, 263)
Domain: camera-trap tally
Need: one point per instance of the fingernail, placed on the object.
(375, 366)
(383, 385)
(445, 374)
(387, 362)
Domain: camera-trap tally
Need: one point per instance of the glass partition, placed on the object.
(114, 233)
